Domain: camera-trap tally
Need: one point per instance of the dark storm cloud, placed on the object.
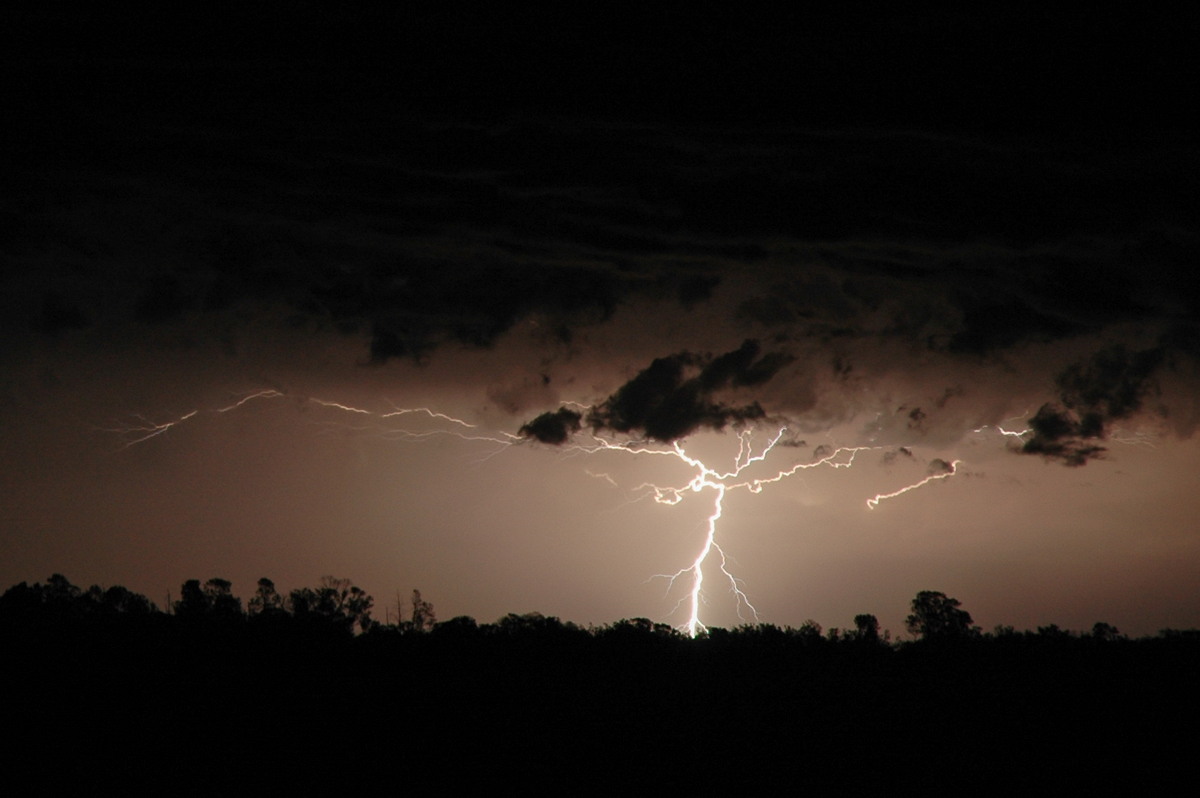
(1112, 383)
(413, 235)
(553, 427)
(672, 397)
(164, 300)
(890, 457)
(1060, 434)
(741, 367)
(230, 185)
(411, 311)
(990, 326)
(59, 313)
(1106, 387)
(668, 400)
(421, 230)
(939, 466)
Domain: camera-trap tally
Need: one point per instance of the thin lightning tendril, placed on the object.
(704, 477)
(873, 502)
(707, 477)
(145, 429)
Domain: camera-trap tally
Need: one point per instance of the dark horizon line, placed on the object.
(222, 606)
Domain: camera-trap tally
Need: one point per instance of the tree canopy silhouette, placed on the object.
(935, 616)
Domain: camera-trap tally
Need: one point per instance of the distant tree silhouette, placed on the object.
(533, 626)
(193, 603)
(221, 601)
(213, 601)
(938, 617)
(335, 601)
(640, 627)
(59, 589)
(118, 600)
(1054, 632)
(423, 617)
(351, 601)
(866, 629)
(809, 632)
(266, 599)
(57, 599)
(60, 598)
(459, 627)
(1104, 631)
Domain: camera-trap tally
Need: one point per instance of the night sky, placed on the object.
(908, 234)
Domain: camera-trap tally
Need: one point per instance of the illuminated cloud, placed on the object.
(1108, 386)
(671, 398)
(797, 223)
(553, 427)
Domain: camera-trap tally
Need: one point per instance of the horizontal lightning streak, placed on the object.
(138, 433)
(707, 477)
(704, 478)
(873, 502)
(144, 431)
(270, 393)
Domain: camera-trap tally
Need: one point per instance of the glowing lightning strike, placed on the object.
(270, 393)
(145, 429)
(1009, 433)
(705, 477)
(952, 469)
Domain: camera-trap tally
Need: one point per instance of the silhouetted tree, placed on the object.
(57, 598)
(1053, 632)
(221, 601)
(214, 600)
(532, 625)
(640, 627)
(866, 629)
(336, 601)
(193, 603)
(809, 632)
(459, 627)
(938, 617)
(302, 602)
(266, 600)
(121, 601)
(347, 600)
(1104, 631)
(423, 617)
(59, 589)
(60, 598)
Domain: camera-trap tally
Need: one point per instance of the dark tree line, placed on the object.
(338, 604)
(333, 602)
(304, 693)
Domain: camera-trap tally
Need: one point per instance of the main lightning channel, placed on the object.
(705, 478)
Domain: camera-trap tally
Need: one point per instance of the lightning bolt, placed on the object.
(951, 470)
(383, 424)
(708, 478)
(1007, 432)
(144, 429)
(392, 424)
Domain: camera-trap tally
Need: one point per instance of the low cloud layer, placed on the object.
(921, 280)
(1109, 386)
(671, 398)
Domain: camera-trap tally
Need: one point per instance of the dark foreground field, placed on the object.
(158, 704)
